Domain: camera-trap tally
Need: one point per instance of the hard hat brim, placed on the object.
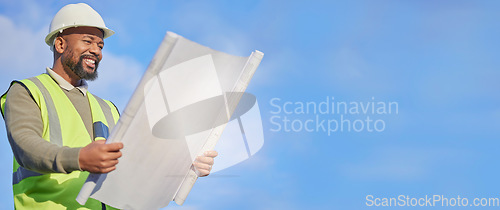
(49, 39)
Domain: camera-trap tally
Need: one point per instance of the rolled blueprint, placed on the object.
(179, 110)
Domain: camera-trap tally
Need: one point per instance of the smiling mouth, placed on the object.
(89, 62)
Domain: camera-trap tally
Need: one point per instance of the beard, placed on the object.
(77, 67)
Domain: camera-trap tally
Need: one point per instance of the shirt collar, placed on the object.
(83, 87)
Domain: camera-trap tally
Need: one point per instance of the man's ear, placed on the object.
(59, 44)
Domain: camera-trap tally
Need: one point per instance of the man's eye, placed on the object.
(87, 41)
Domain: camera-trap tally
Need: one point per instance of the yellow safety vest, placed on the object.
(62, 125)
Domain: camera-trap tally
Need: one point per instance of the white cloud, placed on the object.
(23, 52)
(29, 13)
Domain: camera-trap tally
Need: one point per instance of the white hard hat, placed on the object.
(75, 15)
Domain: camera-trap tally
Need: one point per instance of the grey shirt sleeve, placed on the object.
(24, 130)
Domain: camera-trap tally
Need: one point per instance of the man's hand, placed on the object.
(203, 164)
(98, 157)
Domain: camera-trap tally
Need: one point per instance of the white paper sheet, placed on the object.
(182, 104)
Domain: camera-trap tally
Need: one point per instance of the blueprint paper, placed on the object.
(184, 101)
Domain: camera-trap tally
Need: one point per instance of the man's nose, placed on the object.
(95, 50)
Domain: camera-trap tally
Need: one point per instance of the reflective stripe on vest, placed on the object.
(62, 125)
(55, 127)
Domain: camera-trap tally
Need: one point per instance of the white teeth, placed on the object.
(90, 61)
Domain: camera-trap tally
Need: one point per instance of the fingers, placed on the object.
(202, 173)
(109, 151)
(211, 153)
(202, 169)
(205, 160)
(203, 164)
(103, 170)
(108, 164)
(105, 166)
(98, 157)
(115, 146)
(113, 150)
(107, 170)
(111, 156)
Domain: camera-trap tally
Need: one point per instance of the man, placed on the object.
(52, 119)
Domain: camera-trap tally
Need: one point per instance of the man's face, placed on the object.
(83, 51)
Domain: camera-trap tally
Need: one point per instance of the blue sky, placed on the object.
(437, 59)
